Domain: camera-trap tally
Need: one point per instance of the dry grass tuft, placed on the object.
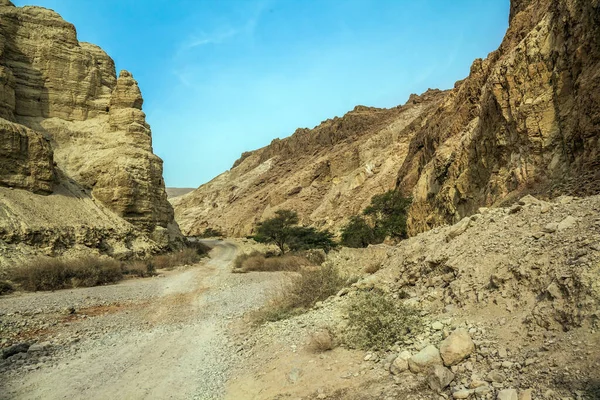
(321, 341)
(372, 268)
(256, 261)
(186, 256)
(303, 291)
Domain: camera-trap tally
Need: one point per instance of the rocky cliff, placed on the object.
(525, 120)
(73, 138)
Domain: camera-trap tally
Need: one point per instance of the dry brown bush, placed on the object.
(47, 273)
(321, 341)
(139, 268)
(372, 268)
(302, 292)
(186, 256)
(256, 261)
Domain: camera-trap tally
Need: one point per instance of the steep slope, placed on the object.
(74, 138)
(525, 120)
(326, 173)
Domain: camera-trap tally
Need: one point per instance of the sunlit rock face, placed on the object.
(526, 119)
(66, 120)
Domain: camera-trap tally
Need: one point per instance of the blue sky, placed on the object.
(220, 77)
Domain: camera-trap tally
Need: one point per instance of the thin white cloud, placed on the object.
(225, 32)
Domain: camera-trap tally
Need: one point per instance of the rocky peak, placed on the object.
(126, 94)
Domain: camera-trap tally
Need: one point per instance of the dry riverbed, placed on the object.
(163, 337)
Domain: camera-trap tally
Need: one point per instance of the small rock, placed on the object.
(502, 353)
(550, 228)
(425, 359)
(482, 390)
(515, 209)
(526, 394)
(439, 378)
(15, 349)
(508, 394)
(538, 235)
(567, 223)
(399, 365)
(495, 376)
(456, 347)
(462, 394)
(528, 200)
(437, 326)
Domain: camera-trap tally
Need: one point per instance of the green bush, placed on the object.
(376, 321)
(358, 233)
(385, 216)
(306, 238)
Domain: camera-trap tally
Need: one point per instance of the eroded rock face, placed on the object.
(68, 93)
(70, 129)
(25, 159)
(526, 119)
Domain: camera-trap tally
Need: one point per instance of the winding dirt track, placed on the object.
(175, 347)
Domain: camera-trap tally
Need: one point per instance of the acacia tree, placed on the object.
(278, 230)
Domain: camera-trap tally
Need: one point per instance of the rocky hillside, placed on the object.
(508, 297)
(525, 120)
(76, 159)
(326, 173)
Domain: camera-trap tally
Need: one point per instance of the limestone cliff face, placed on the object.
(526, 119)
(326, 174)
(64, 115)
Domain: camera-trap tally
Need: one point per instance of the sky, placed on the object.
(220, 77)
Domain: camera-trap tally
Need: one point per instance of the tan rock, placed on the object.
(508, 394)
(456, 347)
(425, 359)
(439, 378)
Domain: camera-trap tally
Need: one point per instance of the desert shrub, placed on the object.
(376, 321)
(211, 232)
(302, 292)
(256, 261)
(47, 273)
(139, 268)
(6, 287)
(321, 341)
(372, 268)
(187, 256)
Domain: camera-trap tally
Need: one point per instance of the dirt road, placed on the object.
(170, 341)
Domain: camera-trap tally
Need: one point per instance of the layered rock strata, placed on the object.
(66, 119)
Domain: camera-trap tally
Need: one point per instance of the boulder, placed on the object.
(456, 347)
(425, 360)
(439, 378)
(508, 394)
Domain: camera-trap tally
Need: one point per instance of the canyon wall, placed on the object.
(73, 137)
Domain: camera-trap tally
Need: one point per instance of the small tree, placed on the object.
(385, 216)
(358, 233)
(278, 229)
(307, 237)
(389, 211)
